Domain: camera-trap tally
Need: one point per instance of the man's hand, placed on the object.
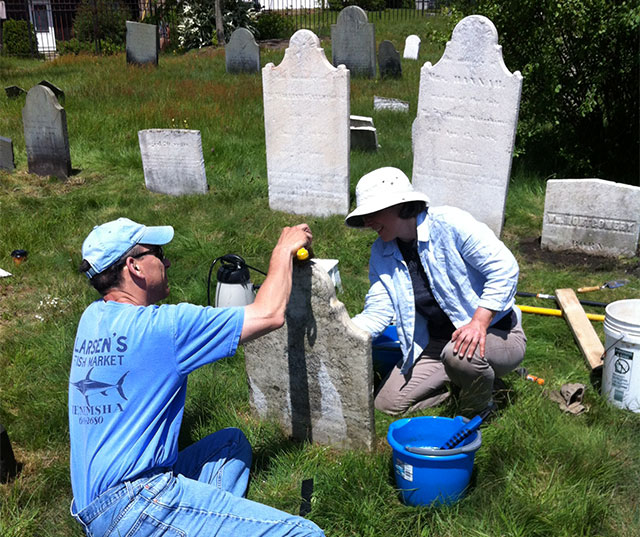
(472, 336)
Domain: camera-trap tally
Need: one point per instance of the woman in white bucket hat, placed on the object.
(449, 283)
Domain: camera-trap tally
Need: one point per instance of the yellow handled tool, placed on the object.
(556, 313)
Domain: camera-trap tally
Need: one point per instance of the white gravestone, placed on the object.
(242, 53)
(353, 42)
(314, 375)
(411, 47)
(172, 161)
(306, 119)
(386, 103)
(143, 43)
(45, 134)
(591, 216)
(465, 127)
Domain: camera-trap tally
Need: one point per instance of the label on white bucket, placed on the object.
(404, 470)
(621, 373)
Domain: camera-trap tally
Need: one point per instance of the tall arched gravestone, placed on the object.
(242, 53)
(314, 375)
(45, 134)
(353, 42)
(464, 131)
(306, 120)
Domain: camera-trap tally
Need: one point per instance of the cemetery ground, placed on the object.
(539, 472)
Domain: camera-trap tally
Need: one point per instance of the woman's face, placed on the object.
(386, 223)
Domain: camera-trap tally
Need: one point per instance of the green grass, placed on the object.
(539, 472)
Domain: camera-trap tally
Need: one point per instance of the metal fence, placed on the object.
(48, 23)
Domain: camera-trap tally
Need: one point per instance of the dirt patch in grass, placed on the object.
(533, 253)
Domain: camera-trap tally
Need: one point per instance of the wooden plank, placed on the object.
(585, 335)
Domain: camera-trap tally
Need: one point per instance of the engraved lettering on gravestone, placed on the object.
(464, 130)
(353, 42)
(172, 161)
(306, 111)
(143, 43)
(45, 134)
(242, 53)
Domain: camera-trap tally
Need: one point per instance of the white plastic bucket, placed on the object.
(621, 371)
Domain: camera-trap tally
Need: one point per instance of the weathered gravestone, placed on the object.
(464, 131)
(142, 43)
(389, 61)
(306, 119)
(591, 216)
(360, 121)
(6, 154)
(172, 161)
(314, 375)
(242, 53)
(13, 92)
(411, 47)
(353, 42)
(55, 89)
(364, 138)
(45, 134)
(386, 103)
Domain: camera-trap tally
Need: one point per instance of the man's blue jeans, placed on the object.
(201, 495)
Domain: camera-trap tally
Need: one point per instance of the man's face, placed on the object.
(155, 266)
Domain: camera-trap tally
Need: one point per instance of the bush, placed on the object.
(15, 38)
(110, 22)
(580, 63)
(74, 46)
(272, 25)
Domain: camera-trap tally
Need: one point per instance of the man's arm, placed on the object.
(267, 311)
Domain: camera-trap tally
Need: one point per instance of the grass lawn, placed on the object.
(539, 472)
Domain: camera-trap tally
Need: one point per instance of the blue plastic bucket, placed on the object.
(386, 351)
(439, 476)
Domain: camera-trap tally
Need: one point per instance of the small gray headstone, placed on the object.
(389, 61)
(172, 161)
(142, 43)
(242, 53)
(13, 92)
(360, 121)
(6, 154)
(314, 375)
(306, 121)
(411, 47)
(45, 134)
(353, 42)
(385, 103)
(465, 125)
(56, 90)
(591, 216)
(364, 138)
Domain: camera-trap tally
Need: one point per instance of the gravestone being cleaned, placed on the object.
(389, 61)
(314, 375)
(6, 154)
(242, 53)
(465, 127)
(172, 161)
(45, 134)
(411, 47)
(353, 42)
(143, 43)
(591, 216)
(306, 119)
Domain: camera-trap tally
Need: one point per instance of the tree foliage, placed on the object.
(580, 63)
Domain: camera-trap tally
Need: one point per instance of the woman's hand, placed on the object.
(472, 336)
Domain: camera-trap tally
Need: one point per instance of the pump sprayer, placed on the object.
(234, 286)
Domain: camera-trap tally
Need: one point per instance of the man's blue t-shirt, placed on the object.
(128, 384)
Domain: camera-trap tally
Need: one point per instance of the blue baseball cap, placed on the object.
(109, 242)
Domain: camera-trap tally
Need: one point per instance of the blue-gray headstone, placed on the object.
(142, 43)
(389, 61)
(242, 53)
(353, 42)
(6, 154)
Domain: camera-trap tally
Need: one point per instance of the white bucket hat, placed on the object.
(380, 189)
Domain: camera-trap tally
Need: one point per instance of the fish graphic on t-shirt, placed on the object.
(88, 386)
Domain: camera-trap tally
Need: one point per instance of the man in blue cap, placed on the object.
(127, 390)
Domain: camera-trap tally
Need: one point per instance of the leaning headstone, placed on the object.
(242, 53)
(465, 128)
(360, 121)
(385, 103)
(411, 47)
(172, 161)
(6, 154)
(314, 375)
(364, 138)
(142, 43)
(45, 134)
(306, 119)
(13, 92)
(353, 42)
(56, 90)
(389, 61)
(591, 216)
